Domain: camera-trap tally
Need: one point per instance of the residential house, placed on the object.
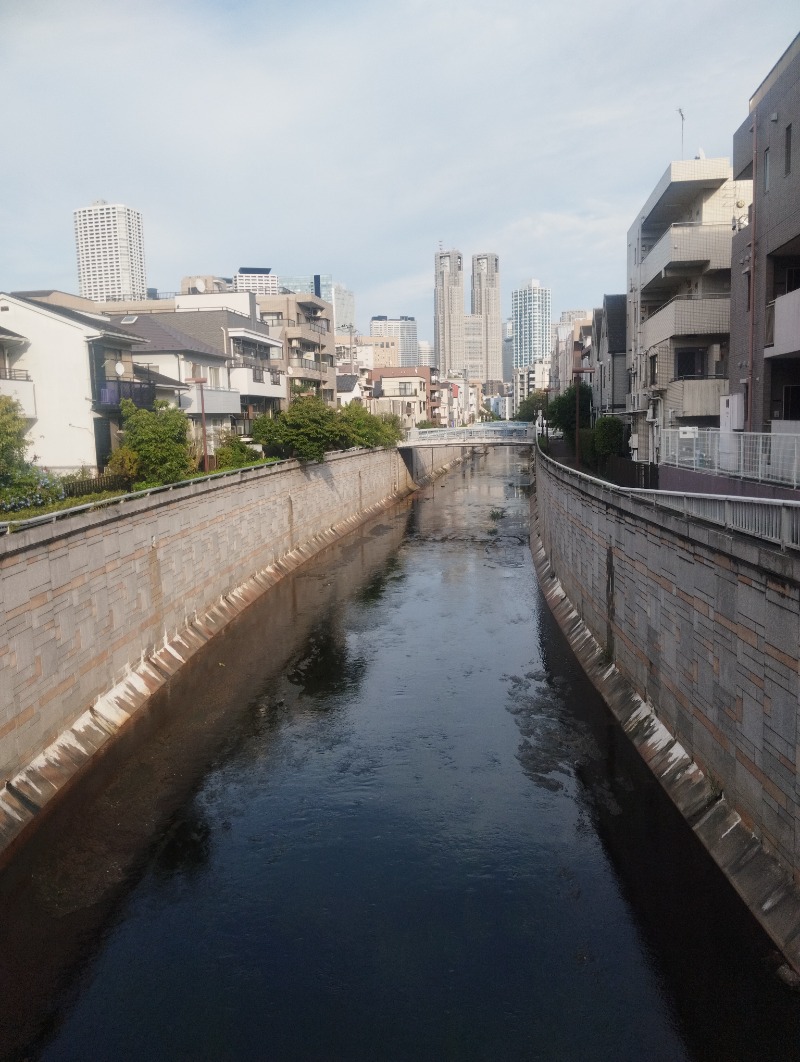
(69, 371)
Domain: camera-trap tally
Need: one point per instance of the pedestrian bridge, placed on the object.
(494, 433)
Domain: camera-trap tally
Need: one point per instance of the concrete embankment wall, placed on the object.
(98, 609)
(692, 634)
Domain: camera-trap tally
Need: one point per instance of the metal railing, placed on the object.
(760, 456)
(14, 374)
(772, 521)
(504, 432)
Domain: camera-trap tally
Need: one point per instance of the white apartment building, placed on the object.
(678, 300)
(110, 245)
(404, 329)
(258, 279)
(426, 354)
(448, 311)
(530, 318)
(486, 304)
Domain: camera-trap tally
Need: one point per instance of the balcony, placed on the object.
(783, 326)
(686, 315)
(693, 397)
(111, 392)
(219, 402)
(253, 380)
(17, 384)
(686, 250)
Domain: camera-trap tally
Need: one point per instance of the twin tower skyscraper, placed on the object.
(468, 343)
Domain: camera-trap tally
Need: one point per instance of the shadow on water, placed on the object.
(68, 883)
(717, 964)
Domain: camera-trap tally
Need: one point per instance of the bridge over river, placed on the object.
(493, 433)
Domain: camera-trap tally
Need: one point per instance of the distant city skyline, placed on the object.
(556, 205)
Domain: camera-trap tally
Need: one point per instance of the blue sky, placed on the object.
(351, 137)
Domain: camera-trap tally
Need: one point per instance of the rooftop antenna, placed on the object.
(683, 119)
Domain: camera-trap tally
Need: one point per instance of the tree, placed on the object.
(13, 443)
(306, 430)
(159, 439)
(609, 438)
(532, 406)
(233, 452)
(561, 410)
(359, 427)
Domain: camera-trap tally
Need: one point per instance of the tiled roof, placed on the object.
(159, 333)
(346, 382)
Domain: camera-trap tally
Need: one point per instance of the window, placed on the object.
(766, 169)
(787, 151)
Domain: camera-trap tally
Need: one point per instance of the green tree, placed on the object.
(609, 438)
(359, 427)
(159, 439)
(233, 452)
(561, 410)
(306, 430)
(13, 443)
(532, 406)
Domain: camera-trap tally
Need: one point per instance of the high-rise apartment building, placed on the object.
(110, 245)
(530, 315)
(427, 354)
(448, 311)
(405, 330)
(486, 304)
(325, 287)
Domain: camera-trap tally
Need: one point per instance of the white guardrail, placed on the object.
(507, 431)
(764, 457)
(770, 520)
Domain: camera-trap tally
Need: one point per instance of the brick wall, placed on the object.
(703, 624)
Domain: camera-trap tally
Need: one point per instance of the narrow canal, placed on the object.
(384, 817)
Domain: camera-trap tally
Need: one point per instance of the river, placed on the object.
(384, 816)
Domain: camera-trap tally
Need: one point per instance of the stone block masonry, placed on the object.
(98, 609)
(692, 633)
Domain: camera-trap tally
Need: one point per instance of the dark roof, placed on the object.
(101, 323)
(144, 372)
(346, 381)
(615, 307)
(158, 333)
(198, 330)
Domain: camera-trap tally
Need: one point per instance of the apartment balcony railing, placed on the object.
(111, 392)
(695, 396)
(685, 245)
(782, 325)
(251, 380)
(17, 384)
(688, 315)
(218, 401)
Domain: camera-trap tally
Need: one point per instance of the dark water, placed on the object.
(384, 817)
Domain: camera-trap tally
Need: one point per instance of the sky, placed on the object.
(353, 137)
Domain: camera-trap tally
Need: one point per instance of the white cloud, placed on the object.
(351, 138)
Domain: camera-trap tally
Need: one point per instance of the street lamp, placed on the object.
(576, 373)
(200, 380)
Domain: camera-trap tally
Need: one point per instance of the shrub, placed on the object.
(13, 443)
(232, 452)
(609, 438)
(30, 489)
(160, 440)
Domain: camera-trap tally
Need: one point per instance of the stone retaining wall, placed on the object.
(702, 627)
(99, 608)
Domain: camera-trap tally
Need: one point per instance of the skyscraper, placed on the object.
(486, 304)
(405, 329)
(530, 314)
(448, 311)
(110, 246)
